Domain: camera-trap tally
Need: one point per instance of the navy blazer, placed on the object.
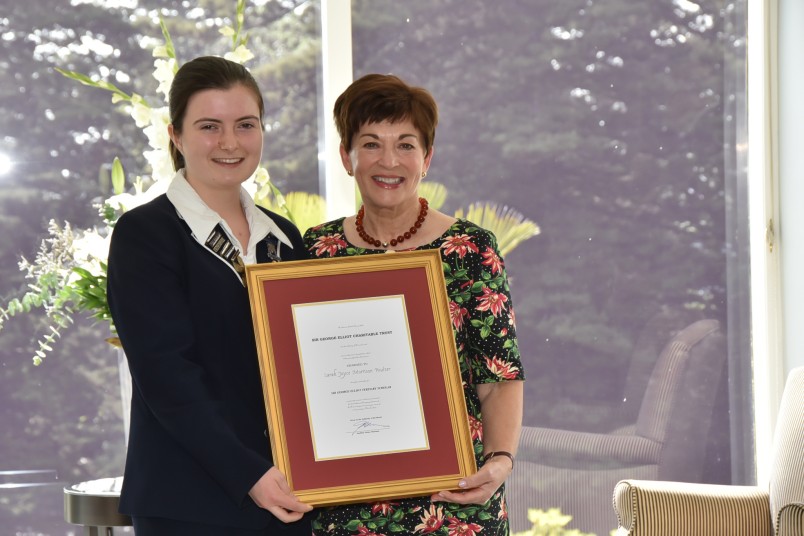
(198, 439)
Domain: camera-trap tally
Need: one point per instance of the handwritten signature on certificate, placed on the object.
(367, 426)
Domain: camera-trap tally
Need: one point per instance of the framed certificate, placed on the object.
(360, 374)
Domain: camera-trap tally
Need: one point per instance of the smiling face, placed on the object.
(387, 160)
(220, 138)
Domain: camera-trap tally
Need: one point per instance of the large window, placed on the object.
(615, 126)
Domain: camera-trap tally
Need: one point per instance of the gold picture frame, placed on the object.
(301, 405)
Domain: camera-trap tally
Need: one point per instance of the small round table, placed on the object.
(93, 504)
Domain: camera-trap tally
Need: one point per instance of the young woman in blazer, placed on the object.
(199, 459)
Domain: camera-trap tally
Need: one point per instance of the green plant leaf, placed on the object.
(240, 17)
(101, 84)
(171, 51)
(118, 176)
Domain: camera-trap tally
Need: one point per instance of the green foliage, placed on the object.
(59, 286)
(91, 293)
(170, 50)
(99, 84)
(240, 17)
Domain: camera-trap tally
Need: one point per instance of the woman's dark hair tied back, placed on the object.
(200, 74)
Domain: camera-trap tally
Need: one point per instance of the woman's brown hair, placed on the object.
(379, 97)
(200, 74)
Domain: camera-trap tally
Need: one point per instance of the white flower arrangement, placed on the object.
(68, 274)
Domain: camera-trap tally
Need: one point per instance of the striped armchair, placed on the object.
(654, 508)
(576, 471)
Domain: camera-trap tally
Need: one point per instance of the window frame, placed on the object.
(336, 74)
(763, 206)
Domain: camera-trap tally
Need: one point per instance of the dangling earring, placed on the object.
(424, 174)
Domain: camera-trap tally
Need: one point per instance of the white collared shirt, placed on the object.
(202, 220)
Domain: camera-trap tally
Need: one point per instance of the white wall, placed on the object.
(791, 176)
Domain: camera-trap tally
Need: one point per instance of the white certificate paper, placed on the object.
(359, 377)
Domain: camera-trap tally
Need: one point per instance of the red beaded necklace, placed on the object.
(399, 239)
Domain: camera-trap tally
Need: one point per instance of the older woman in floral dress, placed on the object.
(387, 130)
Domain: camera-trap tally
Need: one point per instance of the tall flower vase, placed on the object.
(125, 384)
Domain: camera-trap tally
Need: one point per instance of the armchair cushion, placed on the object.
(791, 520)
(657, 508)
(787, 462)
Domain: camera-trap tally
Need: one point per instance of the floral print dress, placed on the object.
(485, 335)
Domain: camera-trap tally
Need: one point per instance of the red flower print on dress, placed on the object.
(501, 369)
(432, 519)
(492, 301)
(329, 244)
(383, 508)
(458, 314)
(363, 531)
(492, 260)
(460, 244)
(459, 527)
(503, 513)
(476, 427)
